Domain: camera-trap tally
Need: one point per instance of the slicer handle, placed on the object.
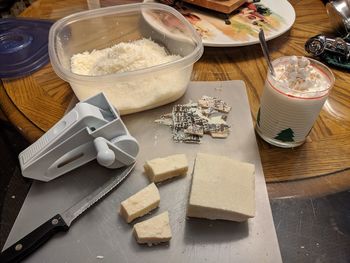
(28, 244)
(105, 156)
(116, 153)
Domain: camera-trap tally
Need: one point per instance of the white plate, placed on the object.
(241, 32)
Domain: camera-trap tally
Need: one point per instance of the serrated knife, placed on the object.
(60, 222)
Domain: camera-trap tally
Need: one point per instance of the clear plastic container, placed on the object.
(136, 90)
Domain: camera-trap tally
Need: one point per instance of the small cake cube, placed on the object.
(154, 230)
(160, 169)
(140, 203)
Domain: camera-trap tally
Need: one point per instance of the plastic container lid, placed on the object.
(23, 46)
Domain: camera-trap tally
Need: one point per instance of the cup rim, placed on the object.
(326, 71)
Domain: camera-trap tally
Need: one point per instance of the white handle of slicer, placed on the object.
(105, 156)
(116, 153)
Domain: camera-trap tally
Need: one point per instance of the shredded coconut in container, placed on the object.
(136, 93)
(123, 57)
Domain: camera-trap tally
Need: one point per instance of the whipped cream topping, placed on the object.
(298, 74)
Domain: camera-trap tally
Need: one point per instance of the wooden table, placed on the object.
(35, 103)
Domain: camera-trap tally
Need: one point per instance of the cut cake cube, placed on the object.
(154, 230)
(161, 169)
(140, 203)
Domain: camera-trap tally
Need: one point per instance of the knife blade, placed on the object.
(60, 222)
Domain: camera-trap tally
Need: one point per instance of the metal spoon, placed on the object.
(266, 52)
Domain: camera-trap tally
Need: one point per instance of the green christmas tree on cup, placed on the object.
(286, 135)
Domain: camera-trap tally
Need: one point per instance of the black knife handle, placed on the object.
(33, 240)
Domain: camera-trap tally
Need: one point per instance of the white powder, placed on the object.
(139, 92)
(123, 57)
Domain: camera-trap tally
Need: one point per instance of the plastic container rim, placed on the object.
(72, 77)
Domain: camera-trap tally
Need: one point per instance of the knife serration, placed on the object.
(76, 210)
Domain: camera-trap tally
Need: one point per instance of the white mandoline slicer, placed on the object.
(91, 130)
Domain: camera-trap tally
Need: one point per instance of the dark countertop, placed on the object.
(313, 229)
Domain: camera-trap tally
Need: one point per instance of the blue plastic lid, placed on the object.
(23, 46)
